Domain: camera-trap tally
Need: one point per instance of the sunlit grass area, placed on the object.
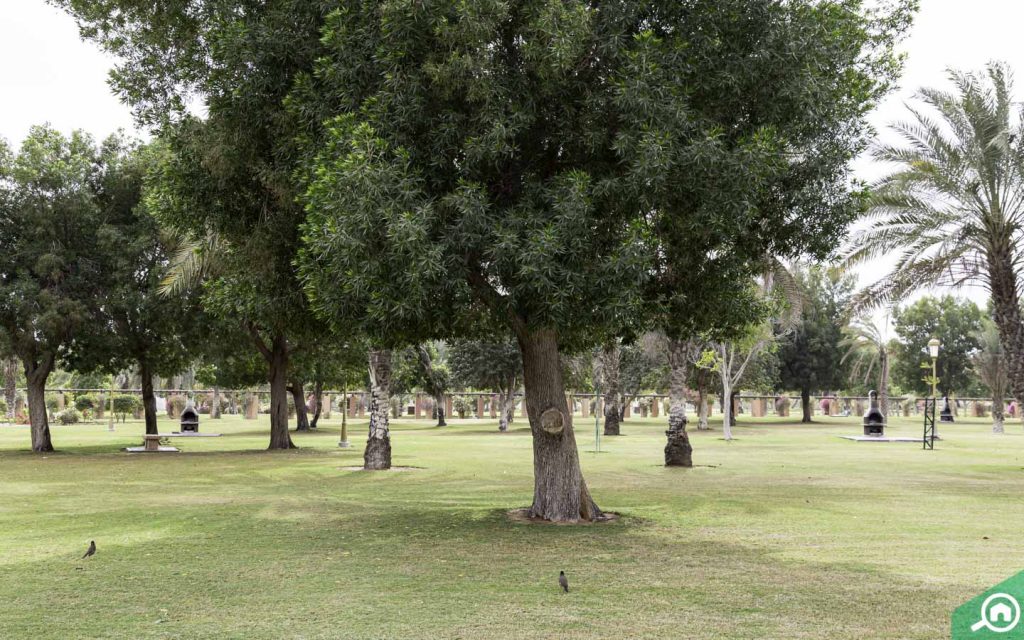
(786, 532)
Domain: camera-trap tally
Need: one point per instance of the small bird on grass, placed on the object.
(563, 581)
(91, 550)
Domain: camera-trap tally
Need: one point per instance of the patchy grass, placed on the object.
(788, 532)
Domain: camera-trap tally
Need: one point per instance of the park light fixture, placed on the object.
(933, 347)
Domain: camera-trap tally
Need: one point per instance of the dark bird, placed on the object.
(92, 549)
(563, 582)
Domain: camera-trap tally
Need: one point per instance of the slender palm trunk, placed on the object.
(559, 492)
(1006, 311)
(36, 373)
(997, 412)
(678, 450)
(377, 455)
(610, 358)
(883, 383)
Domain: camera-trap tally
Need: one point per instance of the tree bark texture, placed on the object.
(299, 400)
(508, 407)
(997, 413)
(883, 383)
(727, 406)
(10, 391)
(1006, 311)
(702, 408)
(559, 492)
(678, 450)
(36, 373)
(610, 361)
(439, 410)
(279, 436)
(318, 403)
(377, 455)
(215, 405)
(805, 404)
(148, 398)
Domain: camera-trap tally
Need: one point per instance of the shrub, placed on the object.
(125, 404)
(175, 405)
(51, 401)
(86, 403)
(463, 405)
(69, 416)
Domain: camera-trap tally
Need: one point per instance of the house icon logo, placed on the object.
(993, 614)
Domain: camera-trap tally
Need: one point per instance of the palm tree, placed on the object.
(990, 365)
(867, 349)
(954, 207)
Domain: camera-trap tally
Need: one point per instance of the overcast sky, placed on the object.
(49, 75)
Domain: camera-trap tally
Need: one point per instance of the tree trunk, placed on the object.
(610, 358)
(36, 375)
(997, 413)
(377, 455)
(215, 405)
(279, 436)
(1006, 311)
(439, 410)
(299, 400)
(559, 492)
(727, 416)
(805, 404)
(733, 407)
(10, 380)
(883, 384)
(148, 398)
(318, 400)
(702, 408)
(508, 407)
(678, 451)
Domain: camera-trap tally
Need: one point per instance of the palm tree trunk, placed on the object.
(883, 383)
(377, 455)
(1006, 312)
(678, 450)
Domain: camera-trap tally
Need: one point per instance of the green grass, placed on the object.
(788, 532)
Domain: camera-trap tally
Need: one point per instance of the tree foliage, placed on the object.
(956, 324)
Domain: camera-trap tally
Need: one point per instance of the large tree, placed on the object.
(510, 154)
(136, 326)
(772, 98)
(953, 208)
(810, 355)
(49, 280)
(956, 324)
(228, 175)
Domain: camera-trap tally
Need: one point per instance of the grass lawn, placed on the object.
(787, 532)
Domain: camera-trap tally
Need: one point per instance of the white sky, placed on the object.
(47, 74)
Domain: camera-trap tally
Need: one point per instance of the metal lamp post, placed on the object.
(933, 351)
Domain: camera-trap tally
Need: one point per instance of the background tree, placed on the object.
(866, 350)
(228, 176)
(48, 278)
(608, 378)
(136, 326)
(810, 356)
(483, 364)
(954, 208)
(956, 324)
(990, 365)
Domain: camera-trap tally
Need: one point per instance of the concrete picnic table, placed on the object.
(151, 441)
